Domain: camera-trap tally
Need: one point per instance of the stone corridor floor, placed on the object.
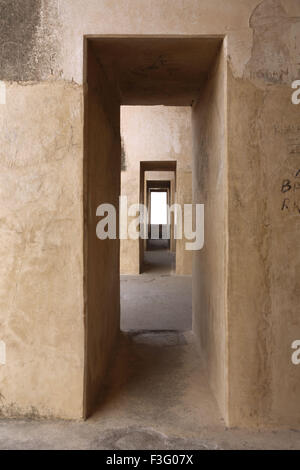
(156, 302)
(156, 394)
(156, 397)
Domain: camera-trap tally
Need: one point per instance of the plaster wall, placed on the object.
(102, 186)
(210, 264)
(41, 267)
(42, 259)
(263, 288)
(263, 223)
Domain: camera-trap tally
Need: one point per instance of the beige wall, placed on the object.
(210, 264)
(156, 133)
(41, 157)
(41, 265)
(263, 289)
(102, 186)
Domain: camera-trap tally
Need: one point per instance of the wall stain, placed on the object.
(271, 59)
(29, 44)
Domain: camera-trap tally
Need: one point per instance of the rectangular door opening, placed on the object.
(151, 342)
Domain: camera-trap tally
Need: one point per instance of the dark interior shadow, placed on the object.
(141, 367)
(160, 261)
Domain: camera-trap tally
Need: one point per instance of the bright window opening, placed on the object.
(159, 214)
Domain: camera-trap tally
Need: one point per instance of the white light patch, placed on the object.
(159, 213)
(2, 353)
(2, 93)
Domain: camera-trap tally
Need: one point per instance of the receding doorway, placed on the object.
(170, 72)
(158, 194)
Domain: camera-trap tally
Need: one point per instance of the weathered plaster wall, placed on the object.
(210, 264)
(41, 259)
(152, 17)
(30, 46)
(156, 133)
(184, 195)
(42, 286)
(102, 175)
(264, 223)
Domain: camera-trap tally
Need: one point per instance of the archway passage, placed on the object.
(160, 235)
(158, 245)
(178, 71)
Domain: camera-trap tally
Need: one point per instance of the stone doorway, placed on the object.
(171, 71)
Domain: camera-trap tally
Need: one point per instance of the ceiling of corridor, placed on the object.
(157, 70)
